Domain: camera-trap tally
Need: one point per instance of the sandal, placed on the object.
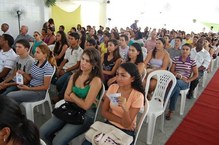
(169, 115)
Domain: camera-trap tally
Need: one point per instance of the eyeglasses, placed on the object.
(35, 35)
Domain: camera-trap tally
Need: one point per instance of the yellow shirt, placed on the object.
(103, 49)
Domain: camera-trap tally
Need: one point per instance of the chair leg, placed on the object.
(183, 101)
(37, 109)
(29, 112)
(43, 108)
(196, 92)
(162, 123)
(204, 78)
(151, 128)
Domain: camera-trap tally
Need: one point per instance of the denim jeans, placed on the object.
(180, 85)
(10, 89)
(57, 132)
(131, 133)
(27, 96)
(62, 83)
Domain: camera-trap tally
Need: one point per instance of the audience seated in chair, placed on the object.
(203, 59)
(123, 115)
(40, 76)
(83, 89)
(185, 70)
(134, 56)
(61, 47)
(23, 35)
(68, 66)
(111, 60)
(37, 41)
(157, 59)
(23, 65)
(7, 56)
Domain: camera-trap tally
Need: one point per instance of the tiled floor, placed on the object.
(159, 137)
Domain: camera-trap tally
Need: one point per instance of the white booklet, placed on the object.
(19, 79)
(114, 98)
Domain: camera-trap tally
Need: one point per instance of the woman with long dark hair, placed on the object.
(61, 46)
(83, 88)
(123, 115)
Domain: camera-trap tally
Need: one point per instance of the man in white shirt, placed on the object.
(7, 56)
(203, 59)
(69, 65)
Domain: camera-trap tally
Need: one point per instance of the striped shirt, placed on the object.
(38, 73)
(184, 68)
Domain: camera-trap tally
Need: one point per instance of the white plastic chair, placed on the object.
(204, 78)
(183, 100)
(51, 47)
(42, 142)
(217, 61)
(158, 102)
(144, 74)
(29, 106)
(142, 118)
(195, 92)
(213, 61)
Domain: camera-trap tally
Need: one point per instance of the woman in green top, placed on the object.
(83, 88)
(37, 42)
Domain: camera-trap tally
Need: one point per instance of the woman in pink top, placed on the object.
(123, 113)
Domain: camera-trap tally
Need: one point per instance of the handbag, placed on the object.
(105, 134)
(70, 113)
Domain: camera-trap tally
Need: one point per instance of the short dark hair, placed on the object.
(180, 38)
(107, 34)
(75, 35)
(125, 36)
(24, 42)
(9, 38)
(188, 45)
(63, 27)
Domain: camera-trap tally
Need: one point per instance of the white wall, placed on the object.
(35, 14)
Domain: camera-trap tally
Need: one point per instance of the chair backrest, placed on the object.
(53, 73)
(99, 101)
(165, 81)
(141, 120)
(42, 142)
(144, 74)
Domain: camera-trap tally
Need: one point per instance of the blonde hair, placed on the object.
(45, 50)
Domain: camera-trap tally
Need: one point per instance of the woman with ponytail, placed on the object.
(157, 59)
(40, 77)
(15, 129)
